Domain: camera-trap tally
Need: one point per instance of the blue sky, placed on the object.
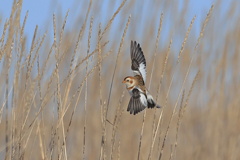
(40, 10)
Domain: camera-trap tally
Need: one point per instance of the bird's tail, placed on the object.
(151, 102)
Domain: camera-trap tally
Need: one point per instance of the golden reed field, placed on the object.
(62, 95)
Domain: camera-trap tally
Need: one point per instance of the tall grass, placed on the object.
(62, 96)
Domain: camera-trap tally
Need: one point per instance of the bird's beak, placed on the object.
(123, 81)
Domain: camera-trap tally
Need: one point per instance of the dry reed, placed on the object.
(62, 98)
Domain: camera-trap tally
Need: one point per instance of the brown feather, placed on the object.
(140, 83)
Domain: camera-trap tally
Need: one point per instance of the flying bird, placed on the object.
(140, 96)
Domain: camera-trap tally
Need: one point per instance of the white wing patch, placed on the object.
(149, 96)
(142, 69)
(143, 99)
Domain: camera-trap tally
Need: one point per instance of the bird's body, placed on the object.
(136, 84)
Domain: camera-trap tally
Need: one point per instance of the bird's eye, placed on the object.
(127, 80)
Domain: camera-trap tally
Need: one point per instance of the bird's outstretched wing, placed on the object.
(137, 103)
(138, 60)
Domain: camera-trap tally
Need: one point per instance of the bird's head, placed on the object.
(129, 81)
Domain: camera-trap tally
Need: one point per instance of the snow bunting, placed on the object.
(135, 85)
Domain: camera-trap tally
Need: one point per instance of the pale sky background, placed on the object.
(40, 10)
